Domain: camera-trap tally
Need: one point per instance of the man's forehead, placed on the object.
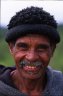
(33, 38)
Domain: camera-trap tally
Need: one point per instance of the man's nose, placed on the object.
(32, 56)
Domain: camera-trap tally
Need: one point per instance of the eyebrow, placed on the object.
(45, 46)
(22, 44)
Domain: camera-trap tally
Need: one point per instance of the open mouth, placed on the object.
(31, 68)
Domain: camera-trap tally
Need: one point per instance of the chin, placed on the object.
(31, 75)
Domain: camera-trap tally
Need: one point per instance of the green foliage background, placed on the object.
(7, 60)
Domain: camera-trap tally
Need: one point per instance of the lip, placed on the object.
(31, 70)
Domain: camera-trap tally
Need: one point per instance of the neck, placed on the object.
(26, 85)
(34, 84)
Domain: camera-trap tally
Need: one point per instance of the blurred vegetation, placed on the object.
(7, 60)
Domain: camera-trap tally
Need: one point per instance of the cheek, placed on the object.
(18, 56)
(45, 57)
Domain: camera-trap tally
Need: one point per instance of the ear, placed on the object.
(11, 48)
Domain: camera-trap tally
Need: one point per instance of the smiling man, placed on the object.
(32, 37)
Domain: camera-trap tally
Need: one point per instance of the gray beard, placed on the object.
(28, 63)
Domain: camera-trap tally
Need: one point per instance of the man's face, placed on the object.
(35, 51)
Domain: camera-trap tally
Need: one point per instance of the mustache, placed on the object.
(28, 63)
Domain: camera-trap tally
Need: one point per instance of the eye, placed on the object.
(42, 47)
(22, 46)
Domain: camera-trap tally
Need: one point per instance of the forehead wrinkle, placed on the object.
(36, 38)
(33, 39)
(23, 39)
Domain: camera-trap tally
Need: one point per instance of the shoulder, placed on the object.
(55, 73)
(5, 71)
(55, 82)
(55, 78)
(2, 67)
(58, 74)
(5, 68)
(5, 74)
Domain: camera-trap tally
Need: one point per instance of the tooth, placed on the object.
(32, 67)
(27, 66)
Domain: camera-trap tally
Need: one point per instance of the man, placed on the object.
(32, 38)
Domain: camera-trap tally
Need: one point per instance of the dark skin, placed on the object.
(31, 48)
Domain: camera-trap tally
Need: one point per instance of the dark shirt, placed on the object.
(54, 86)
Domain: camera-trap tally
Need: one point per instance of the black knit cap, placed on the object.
(32, 20)
(24, 30)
